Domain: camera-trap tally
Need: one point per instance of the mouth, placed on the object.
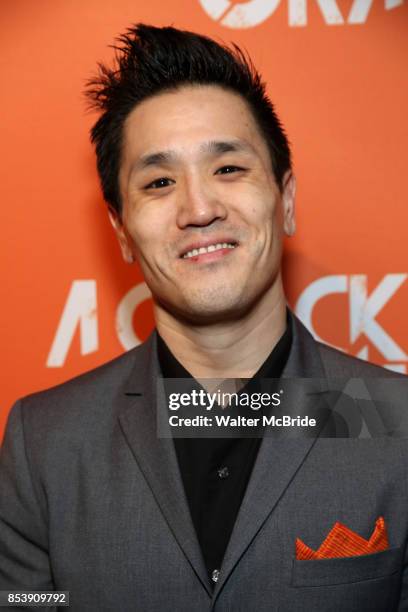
(209, 252)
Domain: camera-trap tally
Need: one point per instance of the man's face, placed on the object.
(201, 208)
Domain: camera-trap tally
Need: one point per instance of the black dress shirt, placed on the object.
(216, 471)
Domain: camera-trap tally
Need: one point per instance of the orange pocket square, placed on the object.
(343, 542)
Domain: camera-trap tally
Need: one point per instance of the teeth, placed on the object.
(209, 249)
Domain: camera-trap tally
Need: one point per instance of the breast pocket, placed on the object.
(346, 570)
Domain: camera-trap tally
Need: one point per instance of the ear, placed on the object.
(122, 236)
(288, 201)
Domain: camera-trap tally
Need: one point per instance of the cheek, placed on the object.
(262, 216)
(143, 225)
(150, 236)
(266, 221)
(258, 201)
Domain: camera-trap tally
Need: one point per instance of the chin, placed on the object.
(216, 311)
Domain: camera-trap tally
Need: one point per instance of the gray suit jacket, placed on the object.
(91, 501)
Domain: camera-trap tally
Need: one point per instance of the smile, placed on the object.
(211, 248)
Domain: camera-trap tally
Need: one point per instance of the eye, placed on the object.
(159, 183)
(229, 169)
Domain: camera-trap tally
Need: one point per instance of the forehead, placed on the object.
(184, 119)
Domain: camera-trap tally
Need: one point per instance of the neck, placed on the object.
(228, 349)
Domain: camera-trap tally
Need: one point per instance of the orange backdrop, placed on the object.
(336, 70)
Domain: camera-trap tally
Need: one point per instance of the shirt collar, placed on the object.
(272, 367)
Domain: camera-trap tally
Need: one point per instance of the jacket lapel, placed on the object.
(279, 457)
(278, 460)
(156, 456)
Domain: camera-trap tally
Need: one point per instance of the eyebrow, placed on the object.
(218, 147)
(212, 147)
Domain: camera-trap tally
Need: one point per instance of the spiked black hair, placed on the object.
(151, 60)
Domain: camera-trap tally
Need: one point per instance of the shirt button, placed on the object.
(215, 575)
(223, 472)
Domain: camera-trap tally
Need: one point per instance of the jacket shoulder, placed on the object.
(339, 364)
(115, 370)
(89, 400)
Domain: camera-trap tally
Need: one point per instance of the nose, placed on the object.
(198, 204)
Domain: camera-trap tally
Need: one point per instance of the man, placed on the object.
(196, 170)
